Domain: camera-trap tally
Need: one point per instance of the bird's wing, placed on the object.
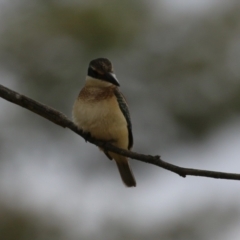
(124, 109)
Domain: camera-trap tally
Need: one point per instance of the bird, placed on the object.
(101, 111)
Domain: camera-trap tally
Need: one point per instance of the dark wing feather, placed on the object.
(124, 108)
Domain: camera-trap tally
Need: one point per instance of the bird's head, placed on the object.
(101, 69)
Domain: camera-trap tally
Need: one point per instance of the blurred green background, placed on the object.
(178, 66)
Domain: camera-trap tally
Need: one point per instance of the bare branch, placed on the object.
(61, 120)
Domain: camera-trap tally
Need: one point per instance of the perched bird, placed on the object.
(101, 111)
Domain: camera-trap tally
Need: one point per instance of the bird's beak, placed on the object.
(111, 77)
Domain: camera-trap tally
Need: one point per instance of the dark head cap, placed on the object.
(101, 68)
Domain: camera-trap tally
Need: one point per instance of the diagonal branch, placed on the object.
(61, 120)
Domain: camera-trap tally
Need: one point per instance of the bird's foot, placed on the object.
(105, 142)
(87, 136)
(111, 141)
(107, 154)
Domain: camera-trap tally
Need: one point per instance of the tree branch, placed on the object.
(61, 120)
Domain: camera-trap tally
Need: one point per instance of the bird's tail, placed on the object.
(125, 172)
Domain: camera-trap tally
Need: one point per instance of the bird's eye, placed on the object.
(97, 71)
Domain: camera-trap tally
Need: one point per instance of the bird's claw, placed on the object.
(87, 136)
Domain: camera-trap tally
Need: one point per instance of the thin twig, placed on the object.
(61, 120)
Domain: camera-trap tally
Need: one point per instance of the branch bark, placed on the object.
(61, 120)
